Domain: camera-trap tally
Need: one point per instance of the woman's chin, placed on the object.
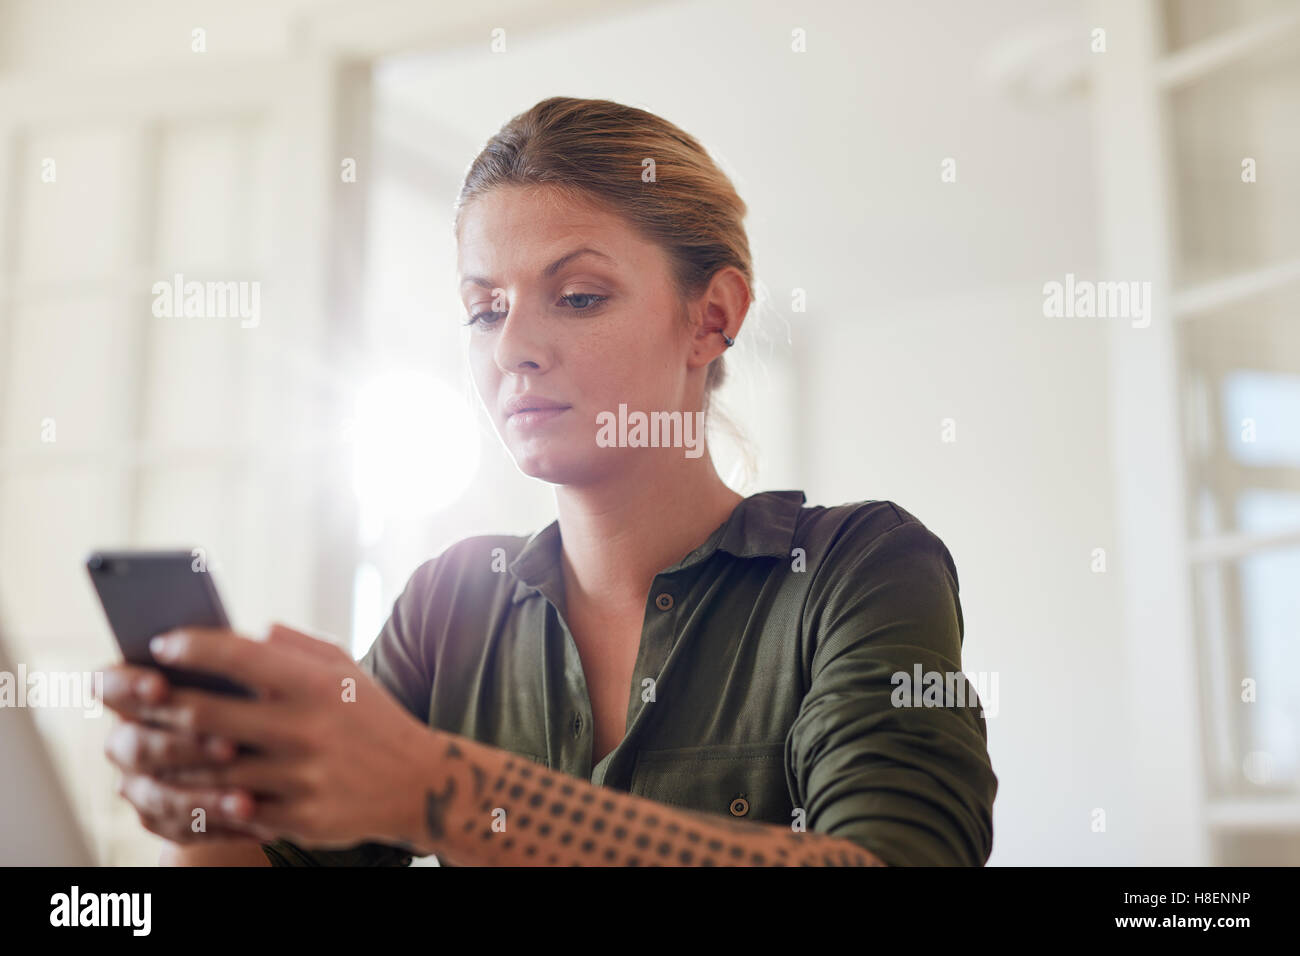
(544, 464)
(554, 466)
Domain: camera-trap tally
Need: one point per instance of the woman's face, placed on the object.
(587, 316)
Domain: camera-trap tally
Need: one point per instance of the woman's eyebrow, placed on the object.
(549, 271)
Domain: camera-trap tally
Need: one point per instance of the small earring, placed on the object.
(727, 338)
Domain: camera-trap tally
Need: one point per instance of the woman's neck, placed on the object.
(619, 535)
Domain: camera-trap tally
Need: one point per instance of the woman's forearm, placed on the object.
(485, 806)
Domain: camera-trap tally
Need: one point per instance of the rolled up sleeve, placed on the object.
(912, 784)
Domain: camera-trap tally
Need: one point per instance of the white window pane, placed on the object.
(182, 507)
(1262, 417)
(1271, 609)
(204, 191)
(81, 225)
(70, 363)
(1263, 511)
(51, 520)
(194, 367)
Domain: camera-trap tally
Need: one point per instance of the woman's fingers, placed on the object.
(279, 776)
(258, 722)
(184, 815)
(183, 833)
(135, 748)
(255, 664)
(127, 688)
(204, 807)
(286, 818)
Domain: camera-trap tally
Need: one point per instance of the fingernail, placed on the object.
(144, 685)
(162, 647)
(218, 747)
(230, 805)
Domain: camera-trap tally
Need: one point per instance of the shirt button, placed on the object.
(739, 807)
(664, 601)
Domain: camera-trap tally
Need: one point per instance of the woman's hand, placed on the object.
(140, 750)
(336, 754)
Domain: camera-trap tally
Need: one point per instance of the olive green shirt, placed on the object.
(766, 683)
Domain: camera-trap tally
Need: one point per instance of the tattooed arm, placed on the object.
(552, 819)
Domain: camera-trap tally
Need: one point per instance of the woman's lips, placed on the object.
(535, 417)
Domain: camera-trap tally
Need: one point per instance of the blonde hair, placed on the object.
(597, 151)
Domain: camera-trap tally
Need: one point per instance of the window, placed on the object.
(1234, 264)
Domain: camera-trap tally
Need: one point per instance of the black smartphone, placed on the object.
(147, 593)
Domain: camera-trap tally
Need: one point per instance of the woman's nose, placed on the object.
(521, 341)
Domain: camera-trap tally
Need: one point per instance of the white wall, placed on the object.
(1021, 498)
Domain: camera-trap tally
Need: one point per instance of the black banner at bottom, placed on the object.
(216, 906)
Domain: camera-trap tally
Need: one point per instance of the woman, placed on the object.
(669, 673)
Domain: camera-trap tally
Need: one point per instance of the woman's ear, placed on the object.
(720, 310)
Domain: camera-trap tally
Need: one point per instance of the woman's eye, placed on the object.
(579, 301)
(584, 300)
(484, 318)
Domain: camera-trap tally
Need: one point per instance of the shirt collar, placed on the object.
(761, 525)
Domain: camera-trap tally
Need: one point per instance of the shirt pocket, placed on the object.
(741, 781)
